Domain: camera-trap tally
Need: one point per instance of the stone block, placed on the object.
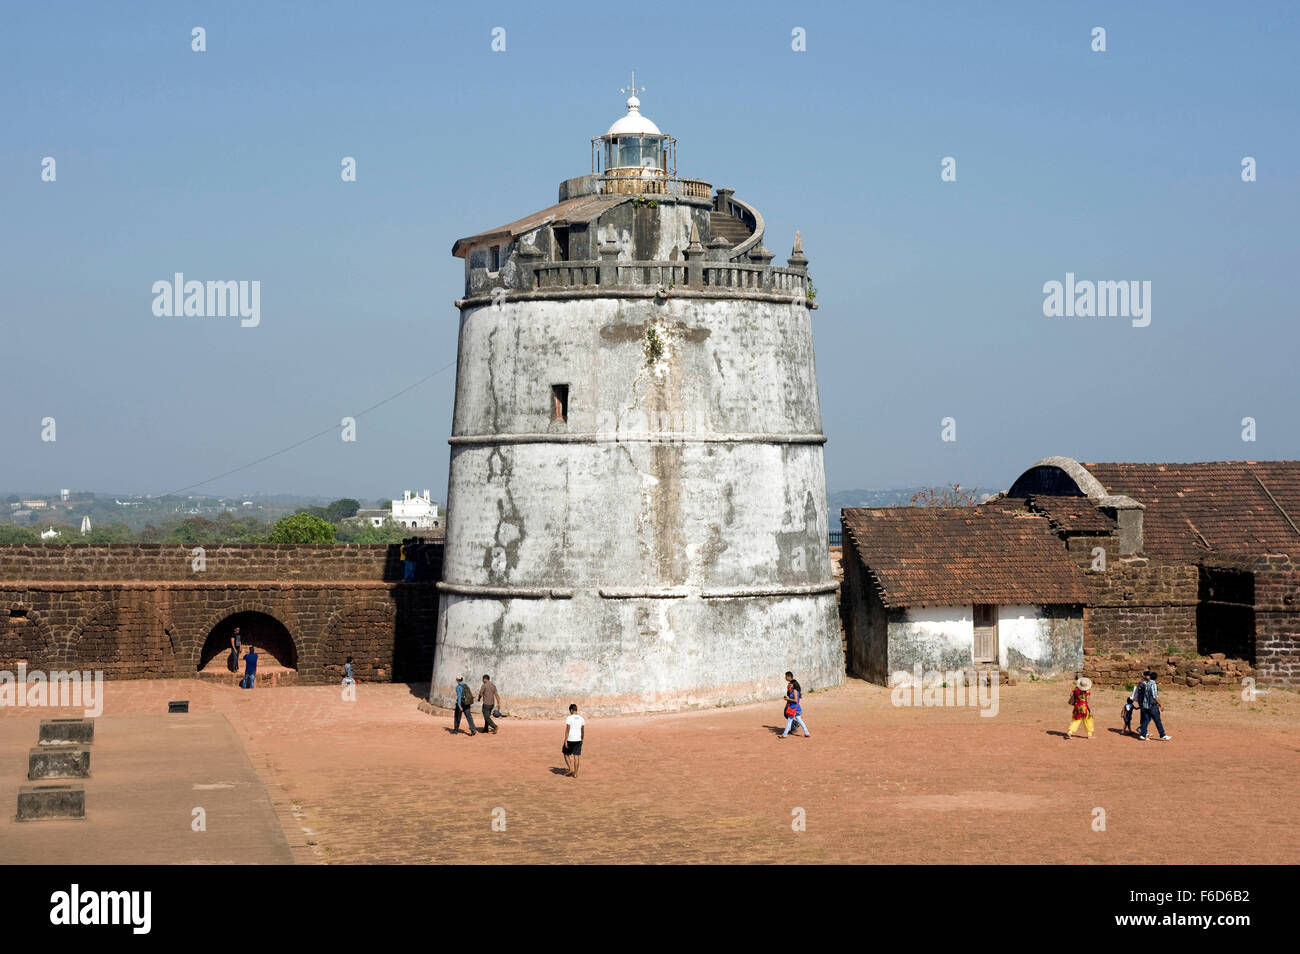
(67, 732)
(51, 801)
(58, 761)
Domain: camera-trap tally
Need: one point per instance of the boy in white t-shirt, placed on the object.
(575, 726)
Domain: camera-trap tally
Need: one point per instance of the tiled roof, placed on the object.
(957, 556)
(1072, 514)
(581, 208)
(1207, 509)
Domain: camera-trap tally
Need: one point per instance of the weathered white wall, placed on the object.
(1023, 629)
(940, 638)
(1034, 638)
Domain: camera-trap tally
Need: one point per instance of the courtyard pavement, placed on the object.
(376, 780)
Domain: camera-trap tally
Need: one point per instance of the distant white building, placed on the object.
(63, 494)
(418, 512)
(85, 525)
(33, 504)
(49, 534)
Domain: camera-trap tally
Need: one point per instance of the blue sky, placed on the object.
(1122, 165)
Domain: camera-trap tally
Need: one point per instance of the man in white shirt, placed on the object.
(575, 726)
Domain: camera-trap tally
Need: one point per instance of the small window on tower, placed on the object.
(494, 259)
(559, 402)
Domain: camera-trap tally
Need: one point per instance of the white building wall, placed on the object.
(1024, 629)
(938, 637)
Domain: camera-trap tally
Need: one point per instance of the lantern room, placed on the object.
(634, 150)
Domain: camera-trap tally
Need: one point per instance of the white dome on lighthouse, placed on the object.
(633, 124)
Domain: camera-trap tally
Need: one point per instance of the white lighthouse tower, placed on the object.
(636, 508)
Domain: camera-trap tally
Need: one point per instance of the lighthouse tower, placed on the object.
(636, 508)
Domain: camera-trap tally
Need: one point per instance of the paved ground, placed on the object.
(148, 775)
(378, 781)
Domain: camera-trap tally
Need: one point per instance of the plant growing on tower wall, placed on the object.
(654, 347)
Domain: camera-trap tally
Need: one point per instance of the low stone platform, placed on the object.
(58, 761)
(268, 677)
(167, 789)
(1118, 669)
(66, 732)
(37, 802)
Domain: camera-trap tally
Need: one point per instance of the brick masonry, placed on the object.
(1140, 607)
(143, 611)
(1277, 620)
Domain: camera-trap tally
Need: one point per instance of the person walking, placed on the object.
(489, 696)
(233, 662)
(1131, 703)
(347, 673)
(1151, 709)
(793, 711)
(575, 730)
(250, 667)
(464, 700)
(1082, 710)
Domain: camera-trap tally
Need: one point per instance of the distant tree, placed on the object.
(334, 512)
(13, 498)
(954, 495)
(109, 533)
(302, 528)
(12, 534)
(192, 530)
(368, 533)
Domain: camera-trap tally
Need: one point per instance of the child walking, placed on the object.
(1082, 711)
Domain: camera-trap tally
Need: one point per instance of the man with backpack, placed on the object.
(464, 701)
(1132, 702)
(1151, 709)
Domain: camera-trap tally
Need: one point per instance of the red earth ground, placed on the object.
(376, 780)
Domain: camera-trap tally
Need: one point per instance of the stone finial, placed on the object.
(760, 255)
(797, 258)
(695, 245)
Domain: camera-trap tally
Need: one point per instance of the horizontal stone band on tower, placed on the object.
(664, 437)
(576, 292)
(626, 593)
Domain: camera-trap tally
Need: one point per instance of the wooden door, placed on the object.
(986, 634)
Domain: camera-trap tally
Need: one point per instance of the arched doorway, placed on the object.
(274, 644)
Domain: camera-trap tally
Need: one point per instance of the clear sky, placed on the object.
(1116, 165)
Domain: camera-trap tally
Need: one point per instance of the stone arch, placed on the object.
(202, 650)
(1057, 476)
(348, 631)
(40, 632)
(83, 623)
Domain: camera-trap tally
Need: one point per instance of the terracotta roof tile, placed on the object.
(1208, 509)
(581, 208)
(956, 556)
(1071, 514)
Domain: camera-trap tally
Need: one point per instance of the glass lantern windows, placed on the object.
(634, 152)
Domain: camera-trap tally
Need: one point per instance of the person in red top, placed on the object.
(1082, 712)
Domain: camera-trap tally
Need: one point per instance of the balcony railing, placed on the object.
(760, 278)
(614, 183)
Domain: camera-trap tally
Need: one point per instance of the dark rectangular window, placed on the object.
(561, 245)
(559, 402)
(494, 259)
